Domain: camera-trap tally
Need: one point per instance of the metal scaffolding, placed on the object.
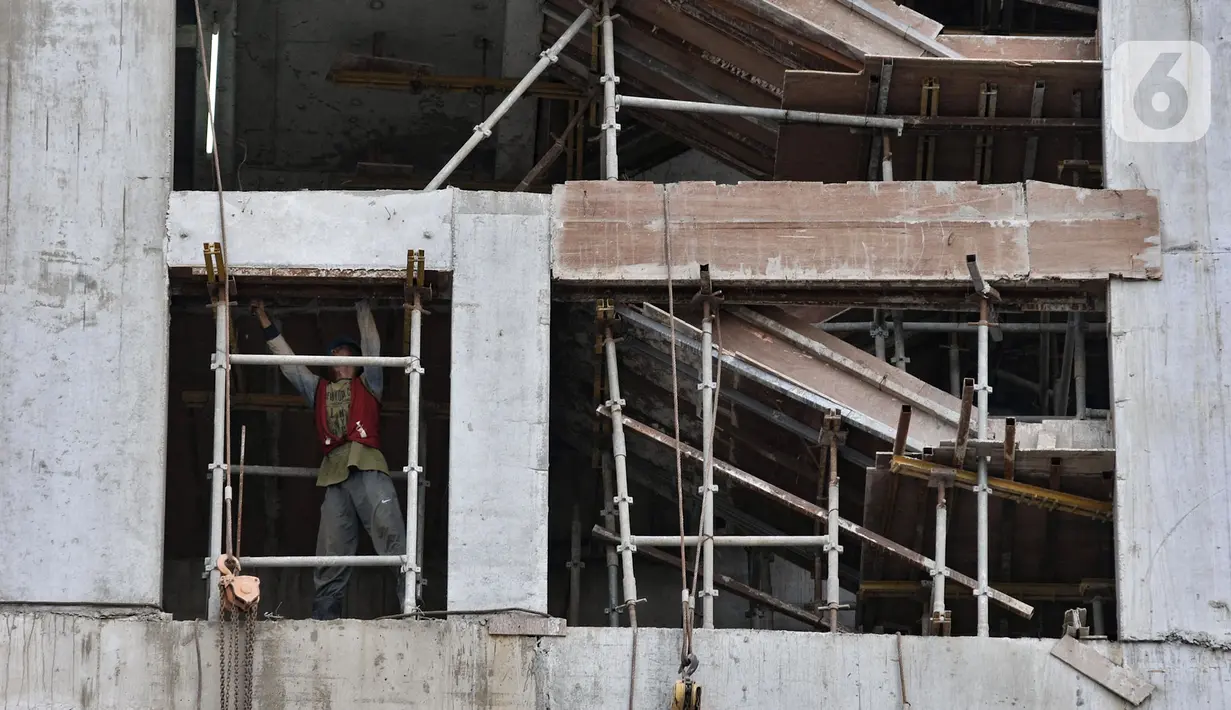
(223, 360)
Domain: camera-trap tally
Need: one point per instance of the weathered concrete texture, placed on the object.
(85, 122)
(63, 661)
(1170, 361)
(57, 660)
(275, 232)
(498, 401)
(804, 671)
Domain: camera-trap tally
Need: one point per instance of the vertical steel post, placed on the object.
(831, 546)
(983, 629)
(609, 521)
(938, 570)
(1079, 366)
(620, 455)
(611, 158)
(574, 568)
(878, 332)
(221, 365)
(414, 469)
(955, 364)
(899, 340)
(707, 481)
(421, 513)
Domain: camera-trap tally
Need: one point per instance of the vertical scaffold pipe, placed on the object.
(620, 456)
(221, 365)
(414, 372)
(707, 476)
(611, 158)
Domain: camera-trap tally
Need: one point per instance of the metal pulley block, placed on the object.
(239, 592)
(686, 695)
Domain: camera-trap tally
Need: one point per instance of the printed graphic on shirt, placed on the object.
(337, 406)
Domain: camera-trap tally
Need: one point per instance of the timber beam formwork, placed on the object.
(1034, 241)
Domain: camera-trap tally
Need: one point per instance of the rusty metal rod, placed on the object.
(553, 153)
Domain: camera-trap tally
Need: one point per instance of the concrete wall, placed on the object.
(85, 135)
(58, 660)
(498, 401)
(1170, 362)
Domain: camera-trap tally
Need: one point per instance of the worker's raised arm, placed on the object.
(369, 341)
(301, 377)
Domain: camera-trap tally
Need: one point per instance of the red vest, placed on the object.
(362, 422)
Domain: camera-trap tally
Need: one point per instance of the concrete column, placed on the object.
(498, 402)
(85, 171)
(515, 134)
(1170, 389)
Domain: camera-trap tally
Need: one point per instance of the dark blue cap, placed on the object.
(344, 340)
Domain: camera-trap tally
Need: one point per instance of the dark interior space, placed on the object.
(1053, 559)
(280, 514)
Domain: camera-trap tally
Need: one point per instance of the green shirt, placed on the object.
(337, 464)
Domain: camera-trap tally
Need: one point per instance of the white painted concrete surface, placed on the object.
(331, 231)
(85, 162)
(58, 660)
(498, 402)
(515, 134)
(1170, 358)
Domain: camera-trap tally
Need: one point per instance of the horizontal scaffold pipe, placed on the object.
(733, 540)
(324, 561)
(773, 114)
(321, 360)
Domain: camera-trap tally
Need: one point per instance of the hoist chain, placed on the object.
(237, 688)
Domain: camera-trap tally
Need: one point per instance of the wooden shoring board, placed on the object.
(860, 233)
(960, 81)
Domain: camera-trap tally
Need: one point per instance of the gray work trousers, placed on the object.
(367, 498)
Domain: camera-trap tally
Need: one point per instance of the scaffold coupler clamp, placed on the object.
(239, 592)
(706, 294)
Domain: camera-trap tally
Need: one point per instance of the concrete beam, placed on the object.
(314, 233)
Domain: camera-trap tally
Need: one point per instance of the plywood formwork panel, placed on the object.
(777, 233)
(1021, 48)
(832, 154)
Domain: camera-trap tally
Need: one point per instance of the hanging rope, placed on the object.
(685, 602)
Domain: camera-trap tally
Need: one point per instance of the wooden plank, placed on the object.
(837, 25)
(785, 233)
(1021, 48)
(1066, 242)
(1120, 680)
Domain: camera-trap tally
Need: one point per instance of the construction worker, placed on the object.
(354, 474)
